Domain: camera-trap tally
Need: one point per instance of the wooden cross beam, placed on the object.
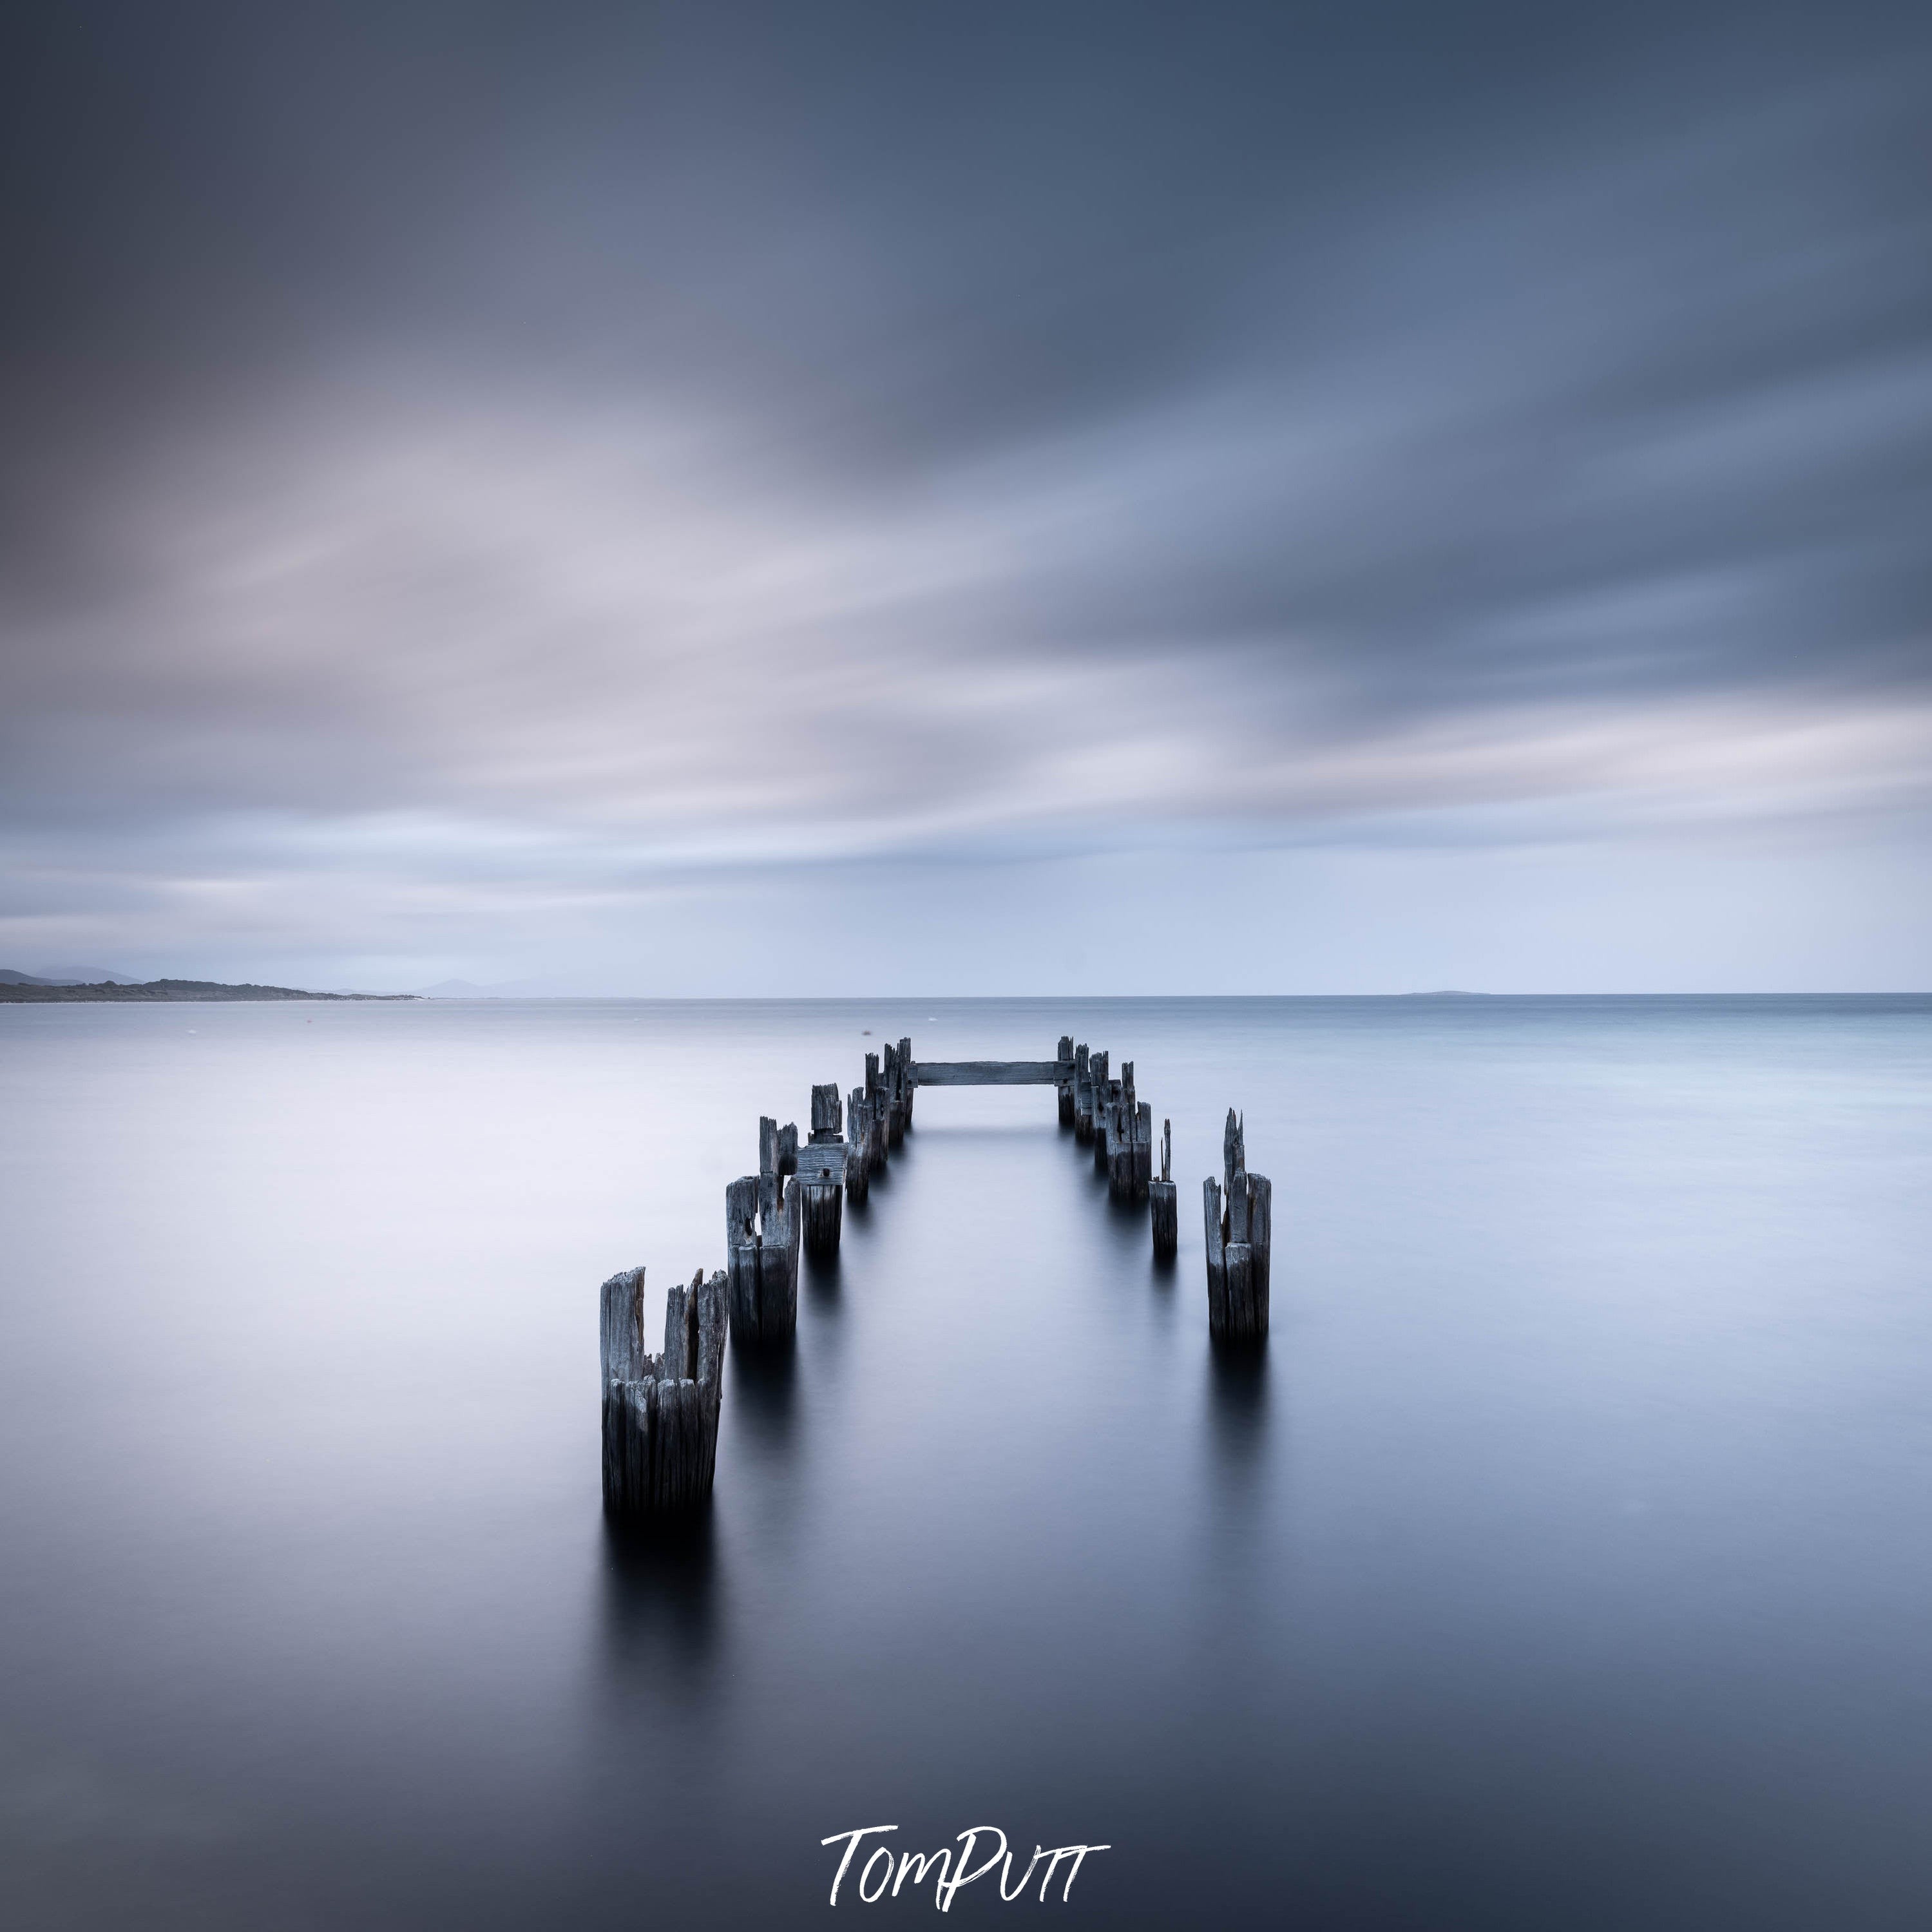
(991, 1072)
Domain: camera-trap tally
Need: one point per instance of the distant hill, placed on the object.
(72, 975)
(19, 988)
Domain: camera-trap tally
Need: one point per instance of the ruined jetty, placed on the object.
(661, 1412)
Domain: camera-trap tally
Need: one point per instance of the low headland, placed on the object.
(24, 989)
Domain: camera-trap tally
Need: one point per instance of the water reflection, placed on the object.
(1238, 1406)
(762, 1397)
(824, 1279)
(660, 1621)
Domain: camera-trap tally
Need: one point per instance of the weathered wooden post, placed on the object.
(858, 1146)
(1066, 1063)
(764, 1257)
(1130, 1140)
(1106, 1098)
(875, 1096)
(1163, 1197)
(1083, 1094)
(661, 1412)
(823, 1186)
(1119, 1139)
(1239, 1239)
(787, 1160)
(888, 1083)
(898, 1081)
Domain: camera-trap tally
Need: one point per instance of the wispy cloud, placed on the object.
(627, 489)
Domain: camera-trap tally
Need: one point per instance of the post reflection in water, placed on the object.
(662, 1621)
(762, 1390)
(1238, 1387)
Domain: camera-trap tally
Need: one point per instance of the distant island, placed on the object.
(20, 987)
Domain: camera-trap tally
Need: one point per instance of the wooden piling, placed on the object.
(1240, 1237)
(1083, 1094)
(824, 1187)
(1065, 1058)
(858, 1146)
(1106, 1107)
(1126, 1132)
(763, 1257)
(660, 1420)
(1096, 1081)
(1117, 1154)
(889, 1084)
(741, 1255)
(875, 1097)
(1163, 1200)
(823, 1213)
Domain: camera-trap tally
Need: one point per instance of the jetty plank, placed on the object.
(988, 1073)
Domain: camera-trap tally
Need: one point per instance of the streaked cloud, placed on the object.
(737, 455)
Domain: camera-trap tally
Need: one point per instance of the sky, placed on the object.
(969, 499)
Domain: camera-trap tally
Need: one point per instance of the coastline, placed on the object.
(174, 990)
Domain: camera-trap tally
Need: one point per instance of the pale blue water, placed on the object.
(1567, 1562)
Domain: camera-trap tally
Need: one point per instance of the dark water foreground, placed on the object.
(1567, 1562)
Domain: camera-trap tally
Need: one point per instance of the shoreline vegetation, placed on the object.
(172, 989)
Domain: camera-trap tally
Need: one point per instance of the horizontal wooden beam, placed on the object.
(991, 1072)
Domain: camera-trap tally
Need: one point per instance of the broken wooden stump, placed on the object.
(889, 1086)
(858, 1146)
(821, 1167)
(1107, 1095)
(1096, 1099)
(762, 1217)
(1083, 1094)
(897, 1083)
(875, 1098)
(1117, 1152)
(1163, 1198)
(661, 1412)
(1239, 1238)
(1128, 1139)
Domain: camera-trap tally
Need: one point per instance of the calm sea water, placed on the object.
(1566, 1561)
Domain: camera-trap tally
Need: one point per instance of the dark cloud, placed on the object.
(614, 441)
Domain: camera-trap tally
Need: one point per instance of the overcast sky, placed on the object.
(968, 499)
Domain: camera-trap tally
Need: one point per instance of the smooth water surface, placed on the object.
(1565, 1562)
